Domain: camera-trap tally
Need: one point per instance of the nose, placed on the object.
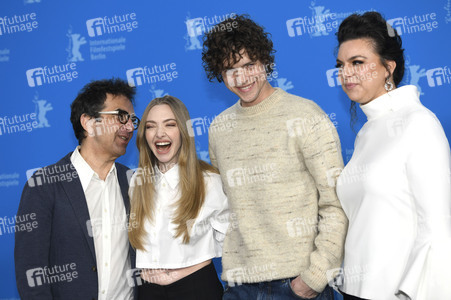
(129, 126)
(160, 131)
(347, 70)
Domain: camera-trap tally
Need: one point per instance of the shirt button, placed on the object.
(106, 236)
(94, 269)
(106, 264)
(164, 184)
(103, 292)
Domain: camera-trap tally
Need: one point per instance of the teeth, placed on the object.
(246, 87)
(163, 144)
(123, 137)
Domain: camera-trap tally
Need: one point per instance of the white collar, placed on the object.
(84, 170)
(171, 176)
(391, 101)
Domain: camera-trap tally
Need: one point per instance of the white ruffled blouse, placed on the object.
(207, 231)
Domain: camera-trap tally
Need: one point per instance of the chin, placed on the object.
(354, 98)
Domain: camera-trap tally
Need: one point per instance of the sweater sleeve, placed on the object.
(428, 172)
(211, 147)
(322, 154)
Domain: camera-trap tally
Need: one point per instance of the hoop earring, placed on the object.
(388, 85)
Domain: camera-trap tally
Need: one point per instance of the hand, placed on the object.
(301, 289)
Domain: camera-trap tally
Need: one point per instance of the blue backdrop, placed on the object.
(50, 49)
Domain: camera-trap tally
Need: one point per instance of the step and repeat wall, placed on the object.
(50, 49)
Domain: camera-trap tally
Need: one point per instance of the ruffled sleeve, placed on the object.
(426, 275)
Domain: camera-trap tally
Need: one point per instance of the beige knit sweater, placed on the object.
(278, 162)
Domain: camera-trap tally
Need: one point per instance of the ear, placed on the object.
(87, 122)
(391, 65)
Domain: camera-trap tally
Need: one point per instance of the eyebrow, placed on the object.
(245, 65)
(249, 63)
(164, 121)
(354, 57)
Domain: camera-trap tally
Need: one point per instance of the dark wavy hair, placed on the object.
(91, 99)
(221, 48)
(385, 40)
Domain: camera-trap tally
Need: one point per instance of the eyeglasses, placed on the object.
(123, 117)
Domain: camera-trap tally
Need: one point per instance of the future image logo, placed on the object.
(134, 277)
(355, 73)
(251, 175)
(196, 27)
(299, 127)
(29, 121)
(51, 175)
(321, 23)
(21, 223)
(409, 25)
(35, 277)
(50, 75)
(333, 78)
(95, 27)
(110, 25)
(18, 23)
(438, 76)
(157, 73)
(57, 273)
(200, 126)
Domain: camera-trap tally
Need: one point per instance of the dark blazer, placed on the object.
(60, 237)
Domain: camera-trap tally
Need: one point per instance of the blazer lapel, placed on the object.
(76, 196)
(123, 183)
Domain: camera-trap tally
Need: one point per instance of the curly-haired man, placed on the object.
(278, 162)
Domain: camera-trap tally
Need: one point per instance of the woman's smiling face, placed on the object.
(163, 135)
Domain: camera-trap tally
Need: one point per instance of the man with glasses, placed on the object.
(79, 248)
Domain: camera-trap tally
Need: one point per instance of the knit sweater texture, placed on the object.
(279, 161)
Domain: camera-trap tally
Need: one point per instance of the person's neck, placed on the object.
(166, 167)
(265, 93)
(99, 163)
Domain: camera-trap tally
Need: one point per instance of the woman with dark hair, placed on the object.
(396, 188)
(179, 213)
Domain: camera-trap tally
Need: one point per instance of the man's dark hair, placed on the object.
(221, 48)
(91, 99)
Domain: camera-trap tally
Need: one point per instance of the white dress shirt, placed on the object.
(396, 193)
(162, 250)
(108, 227)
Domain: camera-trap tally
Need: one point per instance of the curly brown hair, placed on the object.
(221, 48)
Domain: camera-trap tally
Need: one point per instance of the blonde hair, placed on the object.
(191, 185)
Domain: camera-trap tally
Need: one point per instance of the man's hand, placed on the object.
(301, 289)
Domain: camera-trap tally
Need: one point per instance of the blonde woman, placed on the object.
(180, 210)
